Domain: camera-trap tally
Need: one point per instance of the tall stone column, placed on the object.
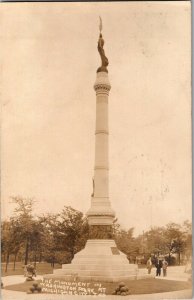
(101, 215)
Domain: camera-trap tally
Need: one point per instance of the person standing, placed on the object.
(164, 267)
(158, 266)
(149, 265)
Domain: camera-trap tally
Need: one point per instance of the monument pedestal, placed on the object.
(100, 260)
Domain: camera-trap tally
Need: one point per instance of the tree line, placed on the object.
(56, 238)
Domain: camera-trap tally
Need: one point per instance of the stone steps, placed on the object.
(95, 272)
(101, 256)
(97, 266)
(99, 260)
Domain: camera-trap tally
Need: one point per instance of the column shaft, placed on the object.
(101, 212)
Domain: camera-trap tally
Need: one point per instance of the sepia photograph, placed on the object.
(96, 150)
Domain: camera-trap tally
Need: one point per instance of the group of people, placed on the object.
(159, 264)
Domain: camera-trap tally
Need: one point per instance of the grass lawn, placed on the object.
(142, 286)
(21, 287)
(42, 268)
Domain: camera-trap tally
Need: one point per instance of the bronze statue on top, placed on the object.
(104, 59)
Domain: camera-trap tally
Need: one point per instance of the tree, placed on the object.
(37, 239)
(168, 240)
(7, 239)
(127, 243)
(11, 240)
(73, 230)
(155, 240)
(50, 240)
(174, 239)
(23, 217)
(67, 233)
(16, 239)
(187, 236)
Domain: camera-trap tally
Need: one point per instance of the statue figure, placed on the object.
(104, 59)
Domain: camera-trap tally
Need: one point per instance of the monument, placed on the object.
(100, 260)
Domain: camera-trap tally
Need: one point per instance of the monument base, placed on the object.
(100, 260)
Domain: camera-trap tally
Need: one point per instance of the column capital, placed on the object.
(102, 84)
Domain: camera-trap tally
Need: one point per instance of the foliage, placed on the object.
(66, 235)
(56, 238)
(127, 243)
(158, 241)
(169, 240)
(73, 229)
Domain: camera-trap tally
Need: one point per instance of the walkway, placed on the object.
(173, 273)
(11, 295)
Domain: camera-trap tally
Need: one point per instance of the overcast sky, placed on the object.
(49, 67)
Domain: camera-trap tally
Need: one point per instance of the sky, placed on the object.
(49, 62)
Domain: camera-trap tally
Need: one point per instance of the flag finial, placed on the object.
(100, 25)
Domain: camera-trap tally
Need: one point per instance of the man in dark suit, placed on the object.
(158, 266)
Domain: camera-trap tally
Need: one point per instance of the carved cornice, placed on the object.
(101, 88)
